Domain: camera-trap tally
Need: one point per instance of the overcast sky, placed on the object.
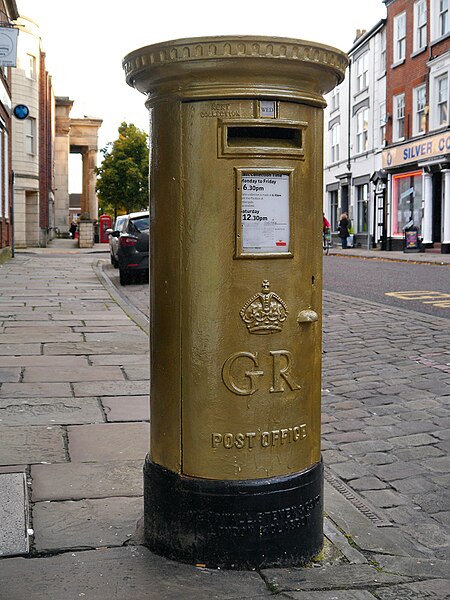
(86, 41)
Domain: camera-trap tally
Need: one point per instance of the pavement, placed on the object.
(74, 428)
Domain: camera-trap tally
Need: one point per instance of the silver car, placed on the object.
(114, 239)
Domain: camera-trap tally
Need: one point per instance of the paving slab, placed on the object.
(40, 411)
(331, 595)
(112, 388)
(79, 348)
(129, 573)
(100, 360)
(329, 577)
(30, 336)
(434, 589)
(88, 523)
(109, 442)
(44, 361)
(35, 390)
(126, 408)
(13, 514)
(138, 372)
(31, 444)
(71, 374)
(76, 481)
(10, 374)
(19, 349)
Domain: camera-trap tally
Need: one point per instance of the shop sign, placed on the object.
(419, 150)
(8, 46)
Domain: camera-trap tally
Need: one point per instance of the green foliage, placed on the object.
(122, 183)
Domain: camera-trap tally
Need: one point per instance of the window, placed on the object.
(362, 198)
(407, 200)
(334, 100)
(442, 100)
(30, 66)
(399, 37)
(383, 51)
(30, 135)
(362, 72)
(362, 130)
(420, 25)
(335, 131)
(420, 101)
(443, 17)
(399, 117)
(383, 121)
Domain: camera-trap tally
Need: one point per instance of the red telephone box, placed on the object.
(105, 223)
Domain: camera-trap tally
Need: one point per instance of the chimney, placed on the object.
(359, 33)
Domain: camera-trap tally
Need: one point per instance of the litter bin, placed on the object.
(234, 476)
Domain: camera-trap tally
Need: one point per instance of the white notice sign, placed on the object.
(265, 213)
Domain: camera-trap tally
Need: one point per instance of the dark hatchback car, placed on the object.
(132, 253)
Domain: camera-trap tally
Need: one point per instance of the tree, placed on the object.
(122, 183)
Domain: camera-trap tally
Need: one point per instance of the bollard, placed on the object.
(234, 477)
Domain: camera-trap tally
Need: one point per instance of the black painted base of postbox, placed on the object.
(234, 524)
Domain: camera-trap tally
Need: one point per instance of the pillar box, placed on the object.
(234, 476)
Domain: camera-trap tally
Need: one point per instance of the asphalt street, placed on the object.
(75, 423)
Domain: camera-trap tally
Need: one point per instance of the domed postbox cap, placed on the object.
(236, 66)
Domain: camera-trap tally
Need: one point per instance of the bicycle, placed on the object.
(326, 240)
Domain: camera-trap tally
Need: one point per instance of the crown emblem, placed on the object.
(265, 312)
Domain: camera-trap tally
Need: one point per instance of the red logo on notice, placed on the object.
(280, 243)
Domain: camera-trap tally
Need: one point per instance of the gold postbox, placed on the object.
(236, 132)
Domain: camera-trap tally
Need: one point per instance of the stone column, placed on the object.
(427, 229)
(445, 245)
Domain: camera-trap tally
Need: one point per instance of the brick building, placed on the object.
(8, 13)
(417, 156)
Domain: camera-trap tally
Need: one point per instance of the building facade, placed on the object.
(8, 13)
(355, 121)
(417, 156)
(33, 142)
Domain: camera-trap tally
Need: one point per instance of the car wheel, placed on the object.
(124, 277)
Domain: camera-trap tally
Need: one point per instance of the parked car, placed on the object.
(132, 253)
(114, 239)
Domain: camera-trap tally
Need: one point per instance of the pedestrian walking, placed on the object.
(343, 229)
(73, 229)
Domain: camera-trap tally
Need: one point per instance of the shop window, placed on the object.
(362, 130)
(399, 117)
(362, 198)
(406, 201)
(420, 101)
(399, 38)
(420, 25)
